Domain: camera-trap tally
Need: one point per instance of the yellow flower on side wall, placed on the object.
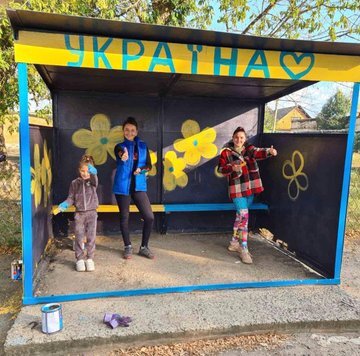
(36, 173)
(46, 174)
(174, 174)
(196, 143)
(41, 175)
(100, 140)
(153, 158)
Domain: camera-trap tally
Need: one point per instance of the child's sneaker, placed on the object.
(145, 251)
(245, 256)
(128, 252)
(234, 246)
(90, 265)
(80, 266)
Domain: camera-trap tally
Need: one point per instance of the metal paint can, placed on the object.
(51, 318)
(16, 270)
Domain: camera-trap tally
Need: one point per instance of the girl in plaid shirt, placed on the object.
(238, 163)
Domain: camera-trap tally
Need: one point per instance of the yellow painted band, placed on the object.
(150, 56)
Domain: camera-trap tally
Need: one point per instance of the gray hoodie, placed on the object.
(82, 193)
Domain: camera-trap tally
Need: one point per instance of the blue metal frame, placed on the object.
(180, 289)
(26, 200)
(346, 182)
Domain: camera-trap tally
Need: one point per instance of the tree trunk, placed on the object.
(2, 140)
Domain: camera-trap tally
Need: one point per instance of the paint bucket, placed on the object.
(16, 270)
(51, 318)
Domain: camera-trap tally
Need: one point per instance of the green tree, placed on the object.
(334, 113)
(311, 19)
(357, 142)
(269, 120)
(189, 13)
(325, 20)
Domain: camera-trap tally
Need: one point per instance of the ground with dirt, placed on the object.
(205, 256)
(10, 297)
(312, 343)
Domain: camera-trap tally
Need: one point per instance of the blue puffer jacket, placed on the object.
(124, 169)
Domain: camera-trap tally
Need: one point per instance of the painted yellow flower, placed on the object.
(218, 174)
(196, 143)
(36, 184)
(46, 174)
(41, 175)
(100, 140)
(174, 174)
(153, 158)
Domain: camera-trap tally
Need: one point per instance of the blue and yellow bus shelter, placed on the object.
(189, 89)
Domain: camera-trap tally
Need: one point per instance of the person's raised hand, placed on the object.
(92, 170)
(272, 151)
(125, 155)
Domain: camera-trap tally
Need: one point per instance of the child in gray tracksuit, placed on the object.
(82, 194)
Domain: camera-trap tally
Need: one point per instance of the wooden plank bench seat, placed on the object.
(175, 208)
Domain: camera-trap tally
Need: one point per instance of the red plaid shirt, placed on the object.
(247, 181)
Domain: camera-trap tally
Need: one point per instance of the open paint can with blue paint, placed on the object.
(51, 318)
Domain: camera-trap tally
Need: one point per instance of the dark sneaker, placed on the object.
(128, 252)
(144, 251)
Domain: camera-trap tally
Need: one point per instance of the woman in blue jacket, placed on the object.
(132, 162)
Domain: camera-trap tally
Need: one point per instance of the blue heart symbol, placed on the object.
(298, 59)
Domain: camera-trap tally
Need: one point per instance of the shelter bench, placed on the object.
(167, 209)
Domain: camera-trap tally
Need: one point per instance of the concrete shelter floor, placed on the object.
(181, 260)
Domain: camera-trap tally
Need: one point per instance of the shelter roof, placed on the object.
(127, 82)
(31, 20)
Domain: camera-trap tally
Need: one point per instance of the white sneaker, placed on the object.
(90, 265)
(80, 266)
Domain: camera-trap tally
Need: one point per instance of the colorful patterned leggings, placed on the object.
(240, 229)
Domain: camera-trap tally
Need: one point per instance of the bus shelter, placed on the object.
(189, 89)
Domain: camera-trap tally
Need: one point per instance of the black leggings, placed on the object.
(142, 202)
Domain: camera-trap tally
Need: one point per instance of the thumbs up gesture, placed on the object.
(272, 151)
(125, 155)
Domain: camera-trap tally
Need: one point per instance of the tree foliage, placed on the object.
(309, 19)
(268, 119)
(326, 20)
(334, 115)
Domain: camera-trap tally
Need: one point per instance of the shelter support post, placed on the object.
(25, 171)
(346, 181)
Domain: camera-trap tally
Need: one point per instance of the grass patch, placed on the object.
(356, 160)
(13, 304)
(353, 214)
(10, 227)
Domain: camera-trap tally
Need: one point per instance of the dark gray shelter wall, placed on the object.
(41, 212)
(308, 224)
(224, 115)
(204, 186)
(75, 110)
(160, 122)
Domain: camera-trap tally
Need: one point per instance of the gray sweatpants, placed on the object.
(85, 225)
